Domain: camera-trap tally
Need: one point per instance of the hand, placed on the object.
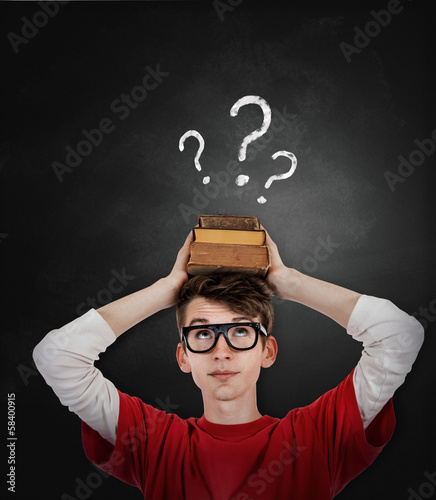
(179, 275)
(281, 279)
(128, 311)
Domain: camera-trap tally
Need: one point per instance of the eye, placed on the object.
(203, 334)
(241, 331)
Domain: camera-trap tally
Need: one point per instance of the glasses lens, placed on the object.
(242, 337)
(201, 339)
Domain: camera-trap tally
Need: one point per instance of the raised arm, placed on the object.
(65, 356)
(125, 313)
(391, 338)
(334, 301)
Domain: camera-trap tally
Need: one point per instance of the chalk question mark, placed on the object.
(243, 101)
(197, 135)
(280, 177)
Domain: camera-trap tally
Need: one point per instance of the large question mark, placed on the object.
(280, 177)
(197, 135)
(243, 101)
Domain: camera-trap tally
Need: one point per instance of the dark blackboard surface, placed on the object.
(347, 114)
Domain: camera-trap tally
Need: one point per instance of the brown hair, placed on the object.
(241, 293)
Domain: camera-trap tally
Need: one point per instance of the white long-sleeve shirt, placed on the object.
(65, 357)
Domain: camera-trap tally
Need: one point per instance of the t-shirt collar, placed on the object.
(235, 432)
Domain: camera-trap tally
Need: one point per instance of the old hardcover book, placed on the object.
(207, 258)
(229, 236)
(242, 222)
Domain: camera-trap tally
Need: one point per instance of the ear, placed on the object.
(183, 359)
(270, 352)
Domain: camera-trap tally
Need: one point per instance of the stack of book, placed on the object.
(228, 243)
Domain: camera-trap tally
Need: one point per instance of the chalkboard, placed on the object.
(96, 98)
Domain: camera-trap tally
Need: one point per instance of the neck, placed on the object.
(240, 410)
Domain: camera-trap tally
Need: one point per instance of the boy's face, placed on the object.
(243, 366)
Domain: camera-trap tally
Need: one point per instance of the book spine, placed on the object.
(244, 222)
(230, 236)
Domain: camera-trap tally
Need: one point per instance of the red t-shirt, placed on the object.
(312, 453)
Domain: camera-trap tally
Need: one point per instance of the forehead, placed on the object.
(201, 310)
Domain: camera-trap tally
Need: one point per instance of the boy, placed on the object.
(232, 451)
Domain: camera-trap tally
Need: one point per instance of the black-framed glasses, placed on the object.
(239, 336)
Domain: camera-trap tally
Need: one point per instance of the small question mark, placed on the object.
(243, 101)
(197, 135)
(279, 177)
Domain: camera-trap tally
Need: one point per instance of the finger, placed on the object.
(183, 253)
(188, 239)
(269, 241)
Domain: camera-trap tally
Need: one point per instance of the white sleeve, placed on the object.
(391, 340)
(65, 358)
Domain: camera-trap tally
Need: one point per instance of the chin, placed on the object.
(225, 394)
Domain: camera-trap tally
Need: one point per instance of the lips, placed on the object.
(222, 374)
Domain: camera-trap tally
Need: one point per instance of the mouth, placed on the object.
(222, 374)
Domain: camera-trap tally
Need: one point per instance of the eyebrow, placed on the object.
(205, 321)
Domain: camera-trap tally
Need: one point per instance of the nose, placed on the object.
(222, 350)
